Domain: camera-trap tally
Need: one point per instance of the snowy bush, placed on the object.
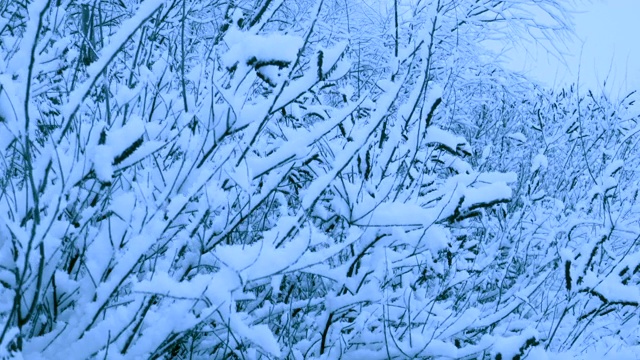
(300, 179)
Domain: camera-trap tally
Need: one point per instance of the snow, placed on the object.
(259, 335)
(518, 136)
(612, 168)
(498, 191)
(612, 289)
(395, 214)
(509, 347)
(436, 135)
(286, 205)
(539, 162)
(264, 258)
(245, 47)
(102, 159)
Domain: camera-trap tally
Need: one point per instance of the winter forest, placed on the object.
(308, 179)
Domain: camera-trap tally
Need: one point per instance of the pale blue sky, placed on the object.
(608, 46)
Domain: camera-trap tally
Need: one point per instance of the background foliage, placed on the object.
(306, 179)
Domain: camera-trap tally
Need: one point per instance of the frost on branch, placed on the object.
(266, 54)
(281, 179)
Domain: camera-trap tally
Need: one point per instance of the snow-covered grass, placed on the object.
(302, 180)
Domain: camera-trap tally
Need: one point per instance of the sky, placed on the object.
(606, 46)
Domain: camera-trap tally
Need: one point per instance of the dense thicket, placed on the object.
(306, 179)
